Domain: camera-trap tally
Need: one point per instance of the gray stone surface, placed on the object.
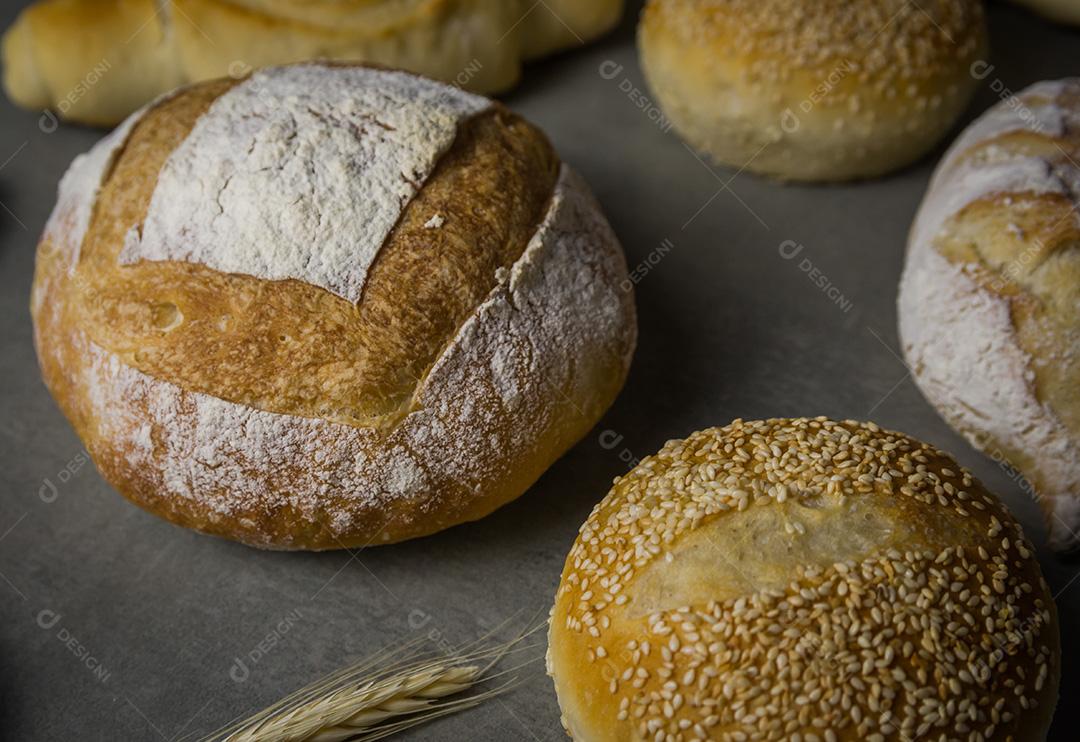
(729, 328)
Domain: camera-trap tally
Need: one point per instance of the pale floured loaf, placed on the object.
(803, 580)
(96, 62)
(328, 306)
(812, 89)
(989, 302)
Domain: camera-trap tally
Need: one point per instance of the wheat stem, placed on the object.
(396, 688)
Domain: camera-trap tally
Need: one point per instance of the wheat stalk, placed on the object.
(395, 689)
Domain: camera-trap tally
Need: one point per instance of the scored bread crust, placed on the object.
(828, 90)
(812, 579)
(514, 349)
(120, 54)
(989, 302)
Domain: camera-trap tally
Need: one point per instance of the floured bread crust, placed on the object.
(989, 301)
(803, 579)
(323, 180)
(491, 333)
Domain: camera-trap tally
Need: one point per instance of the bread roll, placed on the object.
(328, 306)
(989, 300)
(1062, 11)
(119, 54)
(812, 89)
(803, 579)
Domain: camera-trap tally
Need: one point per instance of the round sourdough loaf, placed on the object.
(989, 302)
(803, 580)
(812, 89)
(328, 306)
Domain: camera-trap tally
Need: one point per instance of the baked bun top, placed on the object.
(890, 55)
(779, 578)
(240, 223)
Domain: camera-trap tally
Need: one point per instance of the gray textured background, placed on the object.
(728, 329)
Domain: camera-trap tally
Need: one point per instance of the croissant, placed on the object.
(96, 61)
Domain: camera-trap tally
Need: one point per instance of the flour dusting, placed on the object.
(951, 326)
(79, 187)
(301, 172)
(519, 371)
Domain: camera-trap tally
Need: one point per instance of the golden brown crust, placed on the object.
(479, 352)
(292, 347)
(812, 91)
(120, 54)
(802, 577)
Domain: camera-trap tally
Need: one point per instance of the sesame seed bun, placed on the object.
(803, 579)
(823, 90)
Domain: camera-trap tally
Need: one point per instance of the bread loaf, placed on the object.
(812, 89)
(328, 306)
(989, 301)
(803, 579)
(97, 61)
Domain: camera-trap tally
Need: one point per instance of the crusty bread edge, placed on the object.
(961, 346)
(462, 452)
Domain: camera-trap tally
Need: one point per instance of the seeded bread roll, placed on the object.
(1062, 11)
(96, 61)
(803, 579)
(812, 89)
(328, 306)
(989, 303)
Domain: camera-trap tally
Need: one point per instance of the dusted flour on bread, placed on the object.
(301, 172)
(989, 302)
(79, 186)
(381, 381)
(501, 366)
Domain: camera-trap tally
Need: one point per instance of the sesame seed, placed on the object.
(892, 641)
